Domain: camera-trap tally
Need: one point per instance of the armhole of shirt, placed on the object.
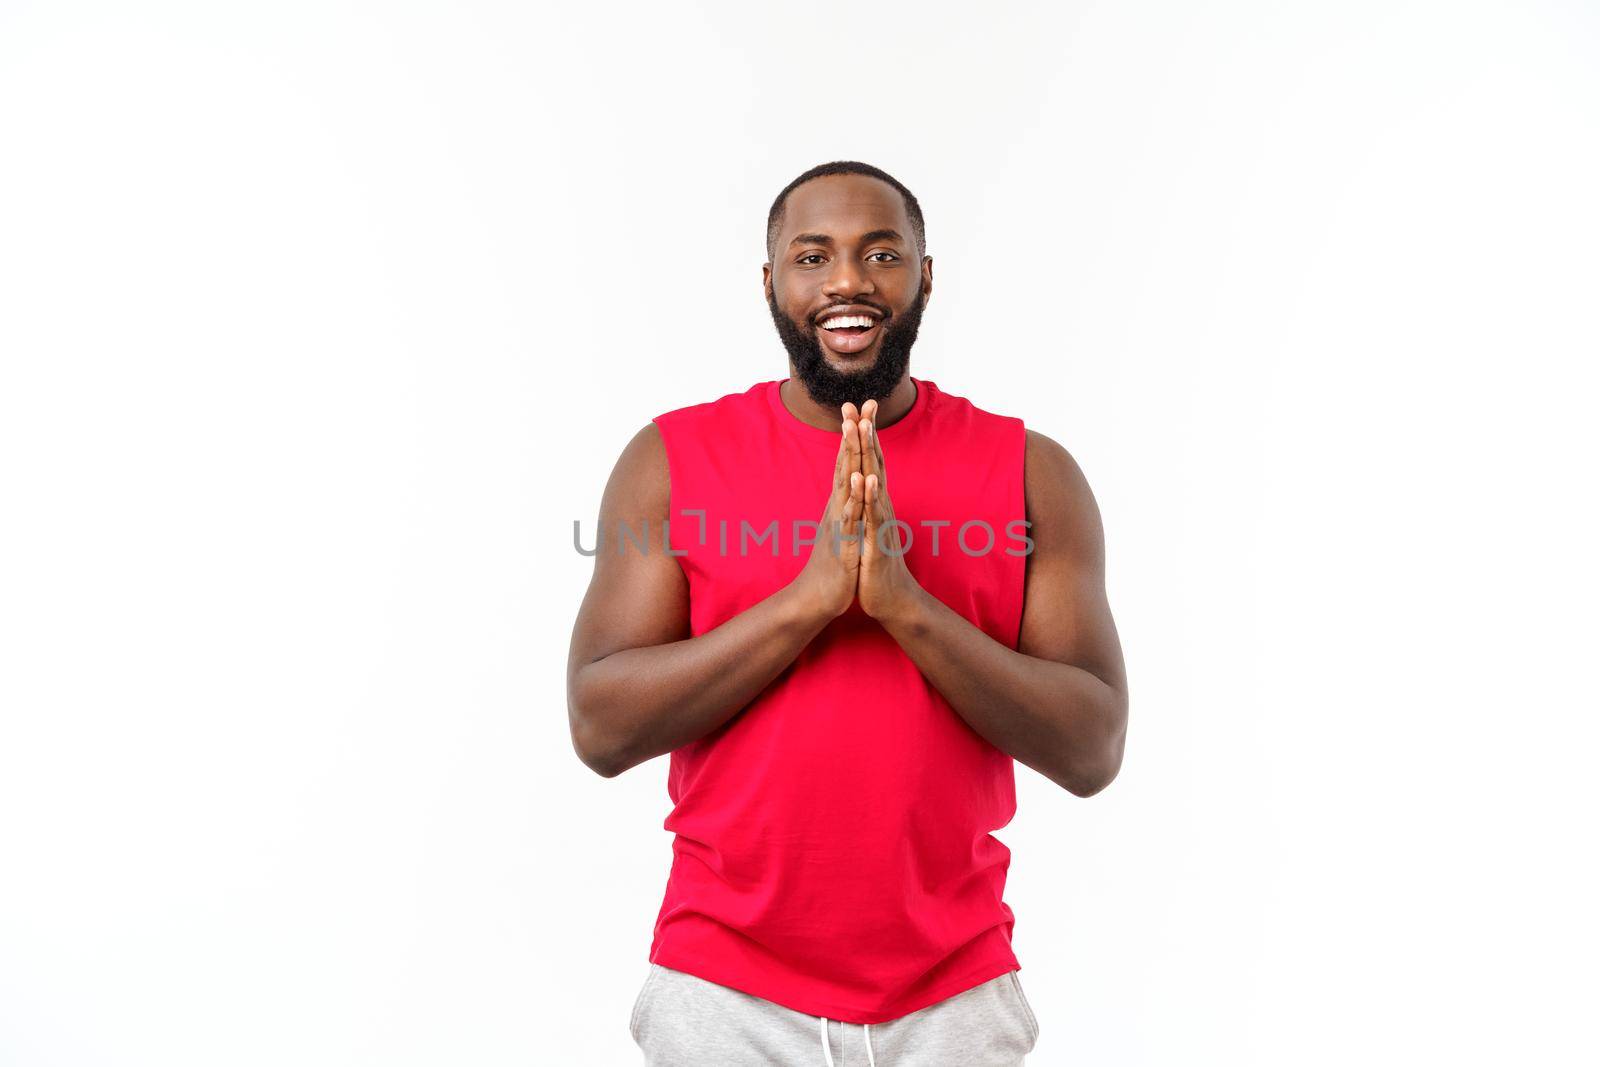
(1020, 503)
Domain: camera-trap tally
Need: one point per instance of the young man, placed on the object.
(844, 602)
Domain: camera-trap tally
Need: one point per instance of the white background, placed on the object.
(321, 322)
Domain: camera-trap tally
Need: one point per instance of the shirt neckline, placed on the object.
(918, 406)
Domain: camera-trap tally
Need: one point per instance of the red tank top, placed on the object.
(833, 849)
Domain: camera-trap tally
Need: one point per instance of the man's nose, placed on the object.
(847, 279)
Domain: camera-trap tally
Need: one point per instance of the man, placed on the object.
(843, 697)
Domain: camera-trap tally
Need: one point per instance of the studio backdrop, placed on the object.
(321, 325)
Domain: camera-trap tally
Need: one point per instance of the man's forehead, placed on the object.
(844, 206)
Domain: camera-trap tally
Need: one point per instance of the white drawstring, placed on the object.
(827, 1053)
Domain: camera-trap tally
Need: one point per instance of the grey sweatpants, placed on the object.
(681, 1020)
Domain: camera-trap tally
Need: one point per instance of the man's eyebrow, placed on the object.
(866, 238)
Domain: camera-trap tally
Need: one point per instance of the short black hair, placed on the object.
(845, 166)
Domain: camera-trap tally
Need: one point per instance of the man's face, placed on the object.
(846, 249)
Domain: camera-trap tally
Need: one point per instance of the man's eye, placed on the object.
(811, 255)
(891, 255)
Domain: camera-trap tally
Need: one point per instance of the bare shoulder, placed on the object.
(640, 482)
(638, 594)
(1061, 506)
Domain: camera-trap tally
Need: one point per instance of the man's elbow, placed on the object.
(1088, 784)
(594, 745)
(603, 760)
(604, 765)
(1091, 775)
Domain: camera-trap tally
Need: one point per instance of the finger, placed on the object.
(878, 516)
(852, 442)
(841, 473)
(849, 442)
(870, 463)
(850, 515)
(876, 447)
(871, 453)
(873, 517)
(881, 501)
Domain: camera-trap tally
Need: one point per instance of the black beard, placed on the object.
(832, 388)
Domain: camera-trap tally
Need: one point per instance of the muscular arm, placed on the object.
(637, 684)
(1059, 703)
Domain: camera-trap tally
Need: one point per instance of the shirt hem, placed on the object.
(995, 968)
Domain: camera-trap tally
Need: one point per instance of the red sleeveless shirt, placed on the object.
(833, 849)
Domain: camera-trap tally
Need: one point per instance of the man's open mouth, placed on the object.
(848, 333)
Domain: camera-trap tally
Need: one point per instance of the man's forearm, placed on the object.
(1061, 720)
(638, 703)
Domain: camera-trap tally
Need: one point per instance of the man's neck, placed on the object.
(891, 409)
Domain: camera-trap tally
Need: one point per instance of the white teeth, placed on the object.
(839, 321)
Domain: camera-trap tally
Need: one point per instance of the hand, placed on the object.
(829, 575)
(886, 586)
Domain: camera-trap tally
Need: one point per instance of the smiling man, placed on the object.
(845, 602)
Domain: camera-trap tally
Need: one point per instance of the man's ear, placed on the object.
(766, 279)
